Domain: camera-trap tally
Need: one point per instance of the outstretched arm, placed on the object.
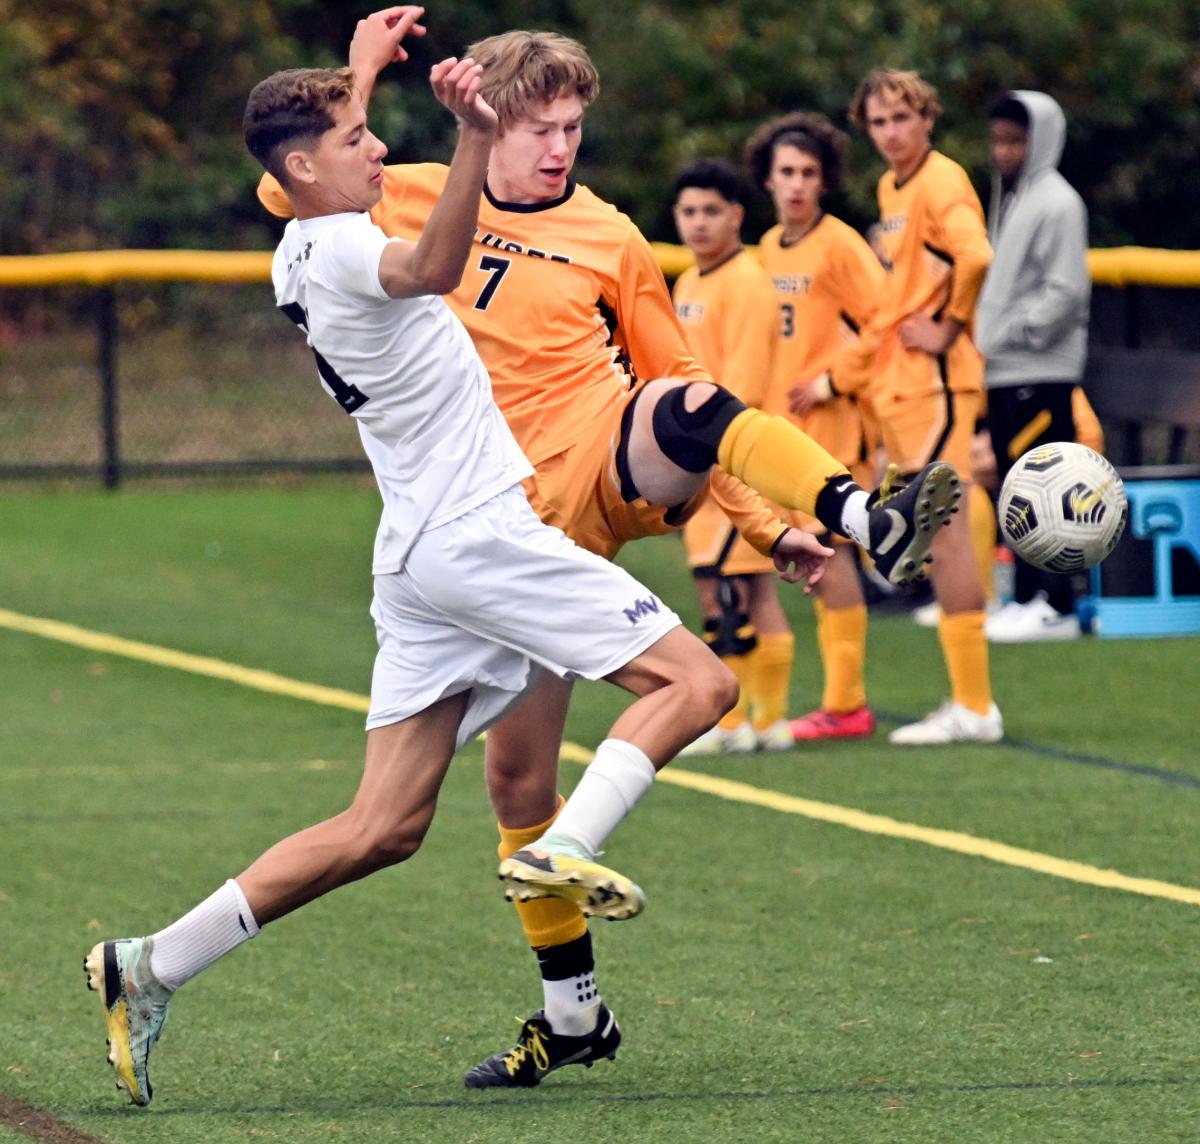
(435, 263)
(378, 41)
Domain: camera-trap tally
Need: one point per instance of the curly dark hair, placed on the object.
(291, 109)
(808, 131)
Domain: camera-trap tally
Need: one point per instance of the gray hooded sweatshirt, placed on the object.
(1032, 318)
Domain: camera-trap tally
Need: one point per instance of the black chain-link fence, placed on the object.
(163, 379)
(200, 378)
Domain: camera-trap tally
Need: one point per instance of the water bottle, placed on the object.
(1085, 613)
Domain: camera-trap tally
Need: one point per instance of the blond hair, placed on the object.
(891, 84)
(522, 71)
(292, 109)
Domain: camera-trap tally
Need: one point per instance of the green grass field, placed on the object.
(792, 979)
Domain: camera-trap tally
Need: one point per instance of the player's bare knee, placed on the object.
(715, 689)
(393, 847)
(696, 394)
(376, 843)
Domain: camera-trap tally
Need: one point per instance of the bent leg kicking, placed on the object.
(681, 430)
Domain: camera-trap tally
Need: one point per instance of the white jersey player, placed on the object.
(473, 594)
(472, 591)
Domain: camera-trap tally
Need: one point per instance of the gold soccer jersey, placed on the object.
(827, 286)
(535, 296)
(568, 308)
(728, 317)
(933, 234)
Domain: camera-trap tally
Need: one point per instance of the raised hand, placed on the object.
(378, 41)
(456, 85)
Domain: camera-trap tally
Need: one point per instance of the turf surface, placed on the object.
(791, 979)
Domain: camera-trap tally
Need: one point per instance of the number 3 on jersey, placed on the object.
(496, 269)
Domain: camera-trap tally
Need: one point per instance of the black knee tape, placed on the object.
(690, 439)
(731, 634)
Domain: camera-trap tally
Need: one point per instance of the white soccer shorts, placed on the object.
(487, 600)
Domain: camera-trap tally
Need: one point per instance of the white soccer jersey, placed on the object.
(406, 370)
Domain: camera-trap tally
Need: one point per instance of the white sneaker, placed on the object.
(710, 743)
(930, 615)
(951, 723)
(777, 737)
(1032, 622)
(740, 741)
(927, 615)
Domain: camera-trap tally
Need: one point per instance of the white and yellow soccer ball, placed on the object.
(1062, 507)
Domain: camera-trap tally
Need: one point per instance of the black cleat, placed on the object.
(539, 1051)
(904, 519)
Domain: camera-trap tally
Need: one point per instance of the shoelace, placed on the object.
(529, 1043)
(891, 486)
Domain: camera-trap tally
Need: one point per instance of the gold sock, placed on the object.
(547, 921)
(842, 638)
(981, 519)
(776, 459)
(740, 666)
(770, 677)
(965, 647)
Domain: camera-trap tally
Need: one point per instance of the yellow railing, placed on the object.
(104, 267)
(1117, 266)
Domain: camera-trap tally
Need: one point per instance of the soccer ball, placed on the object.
(1062, 507)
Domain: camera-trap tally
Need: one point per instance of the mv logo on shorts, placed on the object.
(641, 608)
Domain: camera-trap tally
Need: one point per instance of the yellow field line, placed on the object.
(196, 664)
(729, 789)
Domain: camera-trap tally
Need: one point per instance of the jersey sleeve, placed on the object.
(350, 260)
(748, 334)
(858, 280)
(760, 527)
(958, 223)
(647, 326)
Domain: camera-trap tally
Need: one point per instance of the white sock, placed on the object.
(217, 925)
(572, 1006)
(854, 518)
(612, 784)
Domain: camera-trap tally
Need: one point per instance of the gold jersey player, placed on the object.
(726, 305)
(460, 562)
(622, 440)
(827, 282)
(926, 372)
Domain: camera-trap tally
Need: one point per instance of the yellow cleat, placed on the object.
(135, 1009)
(598, 891)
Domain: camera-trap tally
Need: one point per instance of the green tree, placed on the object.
(121, 119)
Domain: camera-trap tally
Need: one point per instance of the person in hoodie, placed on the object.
(1031, 324)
